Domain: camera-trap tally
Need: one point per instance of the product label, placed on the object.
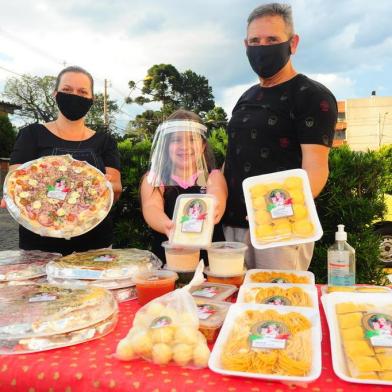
(105, 258)
(339, 269)
(279, 280)
(378, 329)
(276, 300)
(160, 322)
(207, 292)
(59, 190)
(279, 204)
(193, 216)
(269, 334)
(42, 297)
(204, 311)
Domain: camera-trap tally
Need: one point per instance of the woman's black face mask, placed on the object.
(72, 106)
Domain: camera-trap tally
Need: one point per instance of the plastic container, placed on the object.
(153, 284)
(281, 209)
(18, 265)
(103, 264)
(181, 259)
(45, 310)
(235, 280)
(211, 316)
(273, 343)
(341, 261)
(36, 344)
(215, 291)
(279, 294)
(193, 221)
(184, 277)
(226, 258)
(356, 289)
(44, 194)
(361, 346)
(278, 276)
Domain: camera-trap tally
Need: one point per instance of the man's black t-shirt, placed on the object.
(266, 130)
(100, 150)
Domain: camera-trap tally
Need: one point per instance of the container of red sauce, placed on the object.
(153, 284)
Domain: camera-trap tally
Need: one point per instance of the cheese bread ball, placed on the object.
(262, 217)
(303, 228)
(292, 182)
(161, 353)
(297, 196)
(258, 190)
(264, 231)
(300, 212)
(259, 203)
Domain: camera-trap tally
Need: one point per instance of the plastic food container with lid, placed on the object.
(226, 258)
(281, 209)
(269, 342)
(235, 280)
(360, 327)
(184, 277)
(211, 316)
(181, 259)
(153, 284)
(105, 264)
(41, 310)
(193, 221)
(278, 276)
(215, 291)
(18, 265)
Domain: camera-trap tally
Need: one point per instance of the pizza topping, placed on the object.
(33, 182)
(36, 205)
(63, 168)
(24, 195)
(60, 212)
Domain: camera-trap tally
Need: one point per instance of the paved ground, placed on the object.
(8, 231)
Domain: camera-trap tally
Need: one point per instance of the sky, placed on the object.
(344, 44)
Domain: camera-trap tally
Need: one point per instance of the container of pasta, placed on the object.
(181, 259)
(278, 294)
(226, 258)
(269, 342)
(361, 336)
(281, 209)
(235, 280)
(278, 276)
(20, 265)
(215, 291)
(356, 289)
(211, 316)
(34, 314)
(193, 221)
(58, 196)
(103, 264)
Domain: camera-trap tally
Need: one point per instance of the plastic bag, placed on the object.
(166, 330)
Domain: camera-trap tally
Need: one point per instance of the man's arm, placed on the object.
(315, 162)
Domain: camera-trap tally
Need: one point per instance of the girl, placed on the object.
(181, 163)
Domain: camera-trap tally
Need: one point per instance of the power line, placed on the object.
(8, 70)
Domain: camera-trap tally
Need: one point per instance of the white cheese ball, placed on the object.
(124, 350)
(201, 354)
(161, 353)
(182, 354)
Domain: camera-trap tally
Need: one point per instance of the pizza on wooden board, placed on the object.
(58, 196)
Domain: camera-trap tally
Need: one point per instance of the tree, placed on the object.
(215, 118)
(35, 96)
(164, 84)
(145, 124)
(7, 136)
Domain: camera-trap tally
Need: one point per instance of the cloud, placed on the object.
(341, 86)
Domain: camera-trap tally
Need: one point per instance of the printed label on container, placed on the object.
(160, 322)
(279, 204)
(278, 280)
(193, 216)
(204, 311)
(276, 300)
(269, 334)
(105, 258)
(42, 297)
(207, 292)
(59, 190)
(339, 269)
(378, 329)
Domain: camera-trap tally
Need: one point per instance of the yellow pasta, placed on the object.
(278, 277)
(293, 296)
(294, 359)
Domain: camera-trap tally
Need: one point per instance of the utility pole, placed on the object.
(105, 105)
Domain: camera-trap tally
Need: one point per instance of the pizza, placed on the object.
(58, 196)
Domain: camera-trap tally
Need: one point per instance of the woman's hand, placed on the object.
(168, 227)
(114, 177)
(2, 204)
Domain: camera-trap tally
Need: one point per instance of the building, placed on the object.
(364, 123)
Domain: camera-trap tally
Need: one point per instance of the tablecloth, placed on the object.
(91, 366)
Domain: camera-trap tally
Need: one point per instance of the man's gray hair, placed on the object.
(274, 9)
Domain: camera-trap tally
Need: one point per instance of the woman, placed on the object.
(181, 163)
(68, 134)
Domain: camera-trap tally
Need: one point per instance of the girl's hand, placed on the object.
(2, 204)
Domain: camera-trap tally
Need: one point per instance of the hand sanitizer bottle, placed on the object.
(341, 261)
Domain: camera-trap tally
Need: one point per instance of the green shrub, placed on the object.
(130, 229)
(354, 197)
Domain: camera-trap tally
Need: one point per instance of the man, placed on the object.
(285, 122)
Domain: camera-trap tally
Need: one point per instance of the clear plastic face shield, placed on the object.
(178, 155)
